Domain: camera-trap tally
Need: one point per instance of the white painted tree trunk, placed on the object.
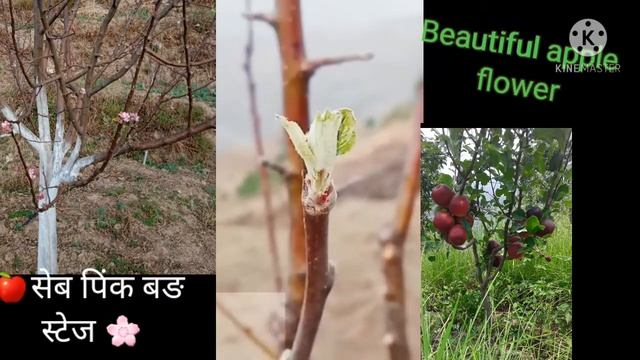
(48, 241)
(53, 172)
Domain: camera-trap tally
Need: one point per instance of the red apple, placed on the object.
(497, 260)
(513, 238)
(492, 245)
(549, 227)
(534, 211)
(12, 289)
(443, 221)
(459, 206)
(457, 235)
(514, 250)
(442, 195)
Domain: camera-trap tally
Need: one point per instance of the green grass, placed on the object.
(250, 185)
(115, 264)
(148, 213)
(531, 300)
(20, 214)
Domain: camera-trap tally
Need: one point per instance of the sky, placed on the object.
(389, 30)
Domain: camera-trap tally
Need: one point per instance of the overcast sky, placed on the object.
(391, 30)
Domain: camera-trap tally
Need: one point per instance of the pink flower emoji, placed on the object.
(33, 172)
(123, 332)
(5, 127)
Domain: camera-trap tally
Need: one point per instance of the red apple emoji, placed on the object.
(12, 289)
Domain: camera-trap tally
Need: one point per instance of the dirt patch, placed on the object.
(133, 219)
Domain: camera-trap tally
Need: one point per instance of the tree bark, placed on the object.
(48, 241)
(392, 245)
(295, 84)
(319, 281)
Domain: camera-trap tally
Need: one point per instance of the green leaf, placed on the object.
(538, 158)
(5, 275)
(431, 258)
(519, 215)
(555, 162)
(494, 154)
(507, 162)
(455, 135)
(347, 131)
(562, 191)
(529, 242)
(299, 141)
(549, 134)
(323, 139)
(445, 179)
(483, 178)
(527, 171)
(533, 225)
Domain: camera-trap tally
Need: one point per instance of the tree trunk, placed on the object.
(48, 241)
(319, 281)
(296, 108)
(392, 248)
(486, 303)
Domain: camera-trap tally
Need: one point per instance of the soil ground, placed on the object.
(133, 219)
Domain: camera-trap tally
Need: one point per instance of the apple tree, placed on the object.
(498, 191)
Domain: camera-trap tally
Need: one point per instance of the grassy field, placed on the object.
(531, 300)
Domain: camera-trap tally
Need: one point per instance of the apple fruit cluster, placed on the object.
(452, 215)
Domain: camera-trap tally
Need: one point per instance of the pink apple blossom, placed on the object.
(33, 172)
(123, 332)
(5, 127)
(128, 118)
(40, 196)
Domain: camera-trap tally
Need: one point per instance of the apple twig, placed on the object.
(264, 175)
(247, 331)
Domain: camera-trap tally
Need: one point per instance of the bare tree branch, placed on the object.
(174, 64)
(264, 175)
(266, 18)
(246, 331)
(310, 66)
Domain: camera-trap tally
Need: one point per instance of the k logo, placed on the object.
(588, 37)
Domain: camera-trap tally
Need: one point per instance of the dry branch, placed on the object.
(310, 66)
(264, 175)
(331, 134)
(392, 248)
(266, 18)
(246, 331)
(287, 22)
(320, 277)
